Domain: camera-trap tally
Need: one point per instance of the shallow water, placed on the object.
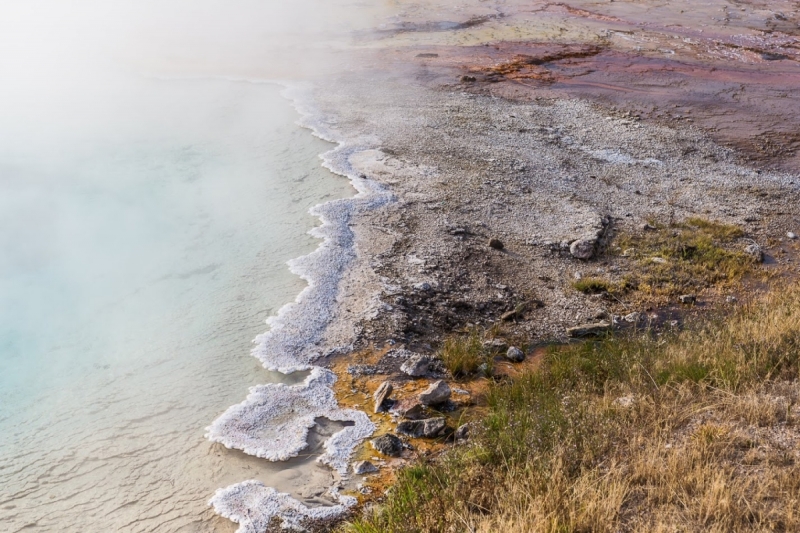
(141, 255)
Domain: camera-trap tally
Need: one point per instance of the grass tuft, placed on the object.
(593, 285)
(465, 356)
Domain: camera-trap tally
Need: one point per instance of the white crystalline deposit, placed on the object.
(273, 422)
(621, 158)
(291, 344)
(252, 505)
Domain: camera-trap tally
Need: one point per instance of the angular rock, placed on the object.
(633, 318)
(462, 433)
(438, 392)
(517, 312)
(755, 251)
(381, 394)
(364, 467)
(409, 408)
(588, 330)
(497, 244)
(417, 366)
(687, 299)
(583, 248)
(428, 428)
(387, 445)
(496, 345)
(515, 355)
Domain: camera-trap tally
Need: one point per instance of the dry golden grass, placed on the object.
(696, 432)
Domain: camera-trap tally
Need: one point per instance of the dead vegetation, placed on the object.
(690, 431)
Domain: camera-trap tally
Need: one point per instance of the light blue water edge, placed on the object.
(142, 251)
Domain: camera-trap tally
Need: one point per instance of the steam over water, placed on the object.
(138, 265)
(145, 225)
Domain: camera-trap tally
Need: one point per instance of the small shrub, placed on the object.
(465, 356)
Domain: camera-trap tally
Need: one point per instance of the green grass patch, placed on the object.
(686, 257)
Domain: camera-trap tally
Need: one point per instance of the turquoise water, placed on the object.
(142, 250)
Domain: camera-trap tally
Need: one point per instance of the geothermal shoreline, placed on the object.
(406, 260)
(274, 420)
(449, 149)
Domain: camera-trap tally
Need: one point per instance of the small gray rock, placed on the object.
(417, 366)
(387, 445)
(588, 330)
(497, 244)
(755, 252)
(687, 299)
(583, 248)
(791, 235)
(515, 355)
(428, 428)
(381, 394)
(364, 467)
(462, 433)
(422, 286)
(438, 392)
